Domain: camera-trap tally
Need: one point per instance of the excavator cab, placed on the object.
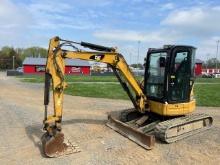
(169, 77)
(169, 74)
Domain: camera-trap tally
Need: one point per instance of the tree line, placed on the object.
(19, 54)
(7, 53)
(211, 63)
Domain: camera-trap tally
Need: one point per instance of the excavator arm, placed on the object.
(55, 70)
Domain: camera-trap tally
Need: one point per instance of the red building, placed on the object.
(211, 71)
(73, 66)
(198, 67)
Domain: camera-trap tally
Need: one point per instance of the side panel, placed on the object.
(34, 69)
(77, 70)
(73, 70)
(86, 70)
(172, 109)
(29, 69)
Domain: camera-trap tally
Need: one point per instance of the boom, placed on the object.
(56, 65)
(55, 69)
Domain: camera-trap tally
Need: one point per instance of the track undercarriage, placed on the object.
(143, 128)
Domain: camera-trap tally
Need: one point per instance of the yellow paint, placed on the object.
(51, 119)
(172, 109)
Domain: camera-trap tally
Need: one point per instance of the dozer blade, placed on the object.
(54, 146)
(144, 140)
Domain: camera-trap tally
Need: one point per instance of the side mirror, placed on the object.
(162, 61)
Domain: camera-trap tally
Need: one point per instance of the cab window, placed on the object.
(156, 74)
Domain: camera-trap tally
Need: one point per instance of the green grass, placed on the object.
(32, 78)
(111, 91)
(39, 79)
(91, 79)
(69, 78)
(207, 80)
(206, 94)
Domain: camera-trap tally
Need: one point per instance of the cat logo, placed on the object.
(97, 57)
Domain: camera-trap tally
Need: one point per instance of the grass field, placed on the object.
(206, 89)
(207, 94)
(40, 79)
(208, 80)
(111, 91)
(37, 79)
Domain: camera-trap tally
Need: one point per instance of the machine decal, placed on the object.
(98, 57)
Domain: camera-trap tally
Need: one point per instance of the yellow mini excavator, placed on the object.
(163, 103)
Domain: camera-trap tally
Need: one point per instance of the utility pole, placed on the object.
(216, 63)
(138, 56)
(138, 52)
(13, 62)
(207, 61)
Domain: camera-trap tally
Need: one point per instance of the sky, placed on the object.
(126, 24)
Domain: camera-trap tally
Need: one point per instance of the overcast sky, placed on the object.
(120, 23)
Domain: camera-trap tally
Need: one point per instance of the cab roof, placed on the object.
(168, 47)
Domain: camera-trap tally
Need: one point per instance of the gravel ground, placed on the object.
(84, 123)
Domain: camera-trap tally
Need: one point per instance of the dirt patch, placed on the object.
(21, 108)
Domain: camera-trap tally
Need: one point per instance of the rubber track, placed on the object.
(162, 127)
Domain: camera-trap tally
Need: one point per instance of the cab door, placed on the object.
(181, 74)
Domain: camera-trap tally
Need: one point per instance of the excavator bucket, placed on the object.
(54, 146)
(147, 141)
